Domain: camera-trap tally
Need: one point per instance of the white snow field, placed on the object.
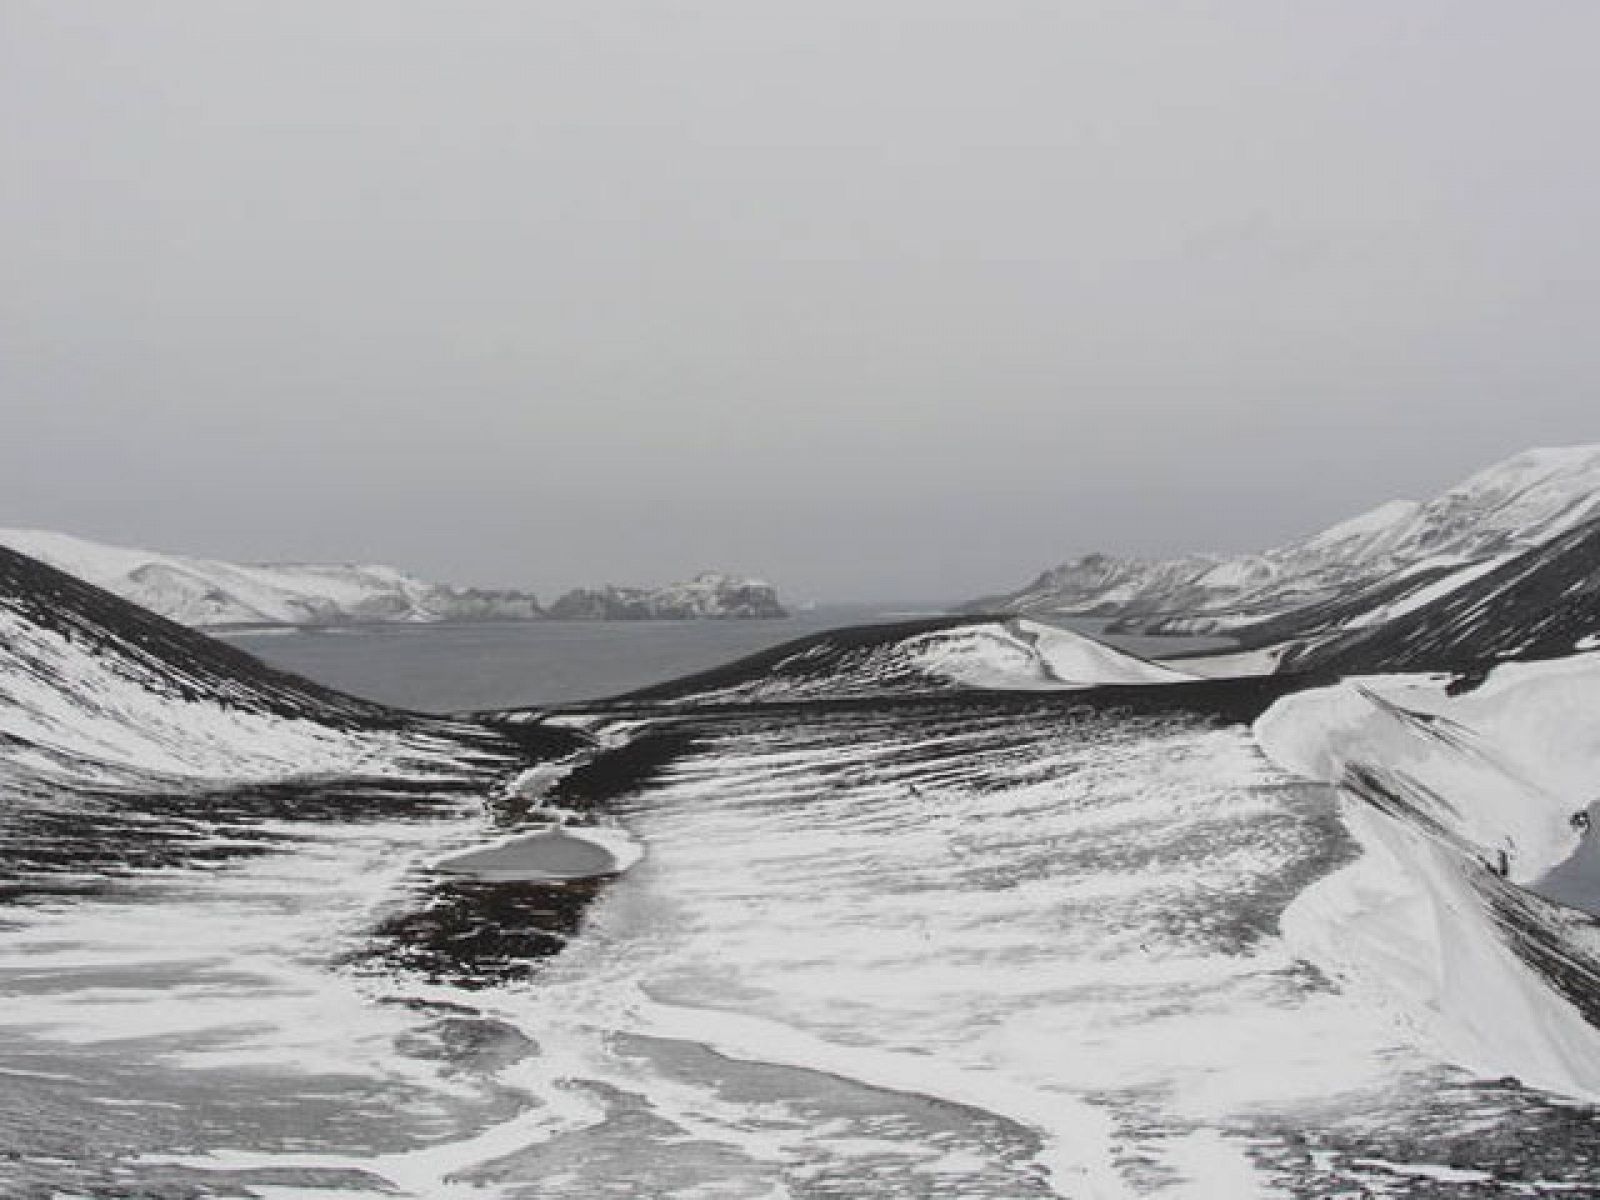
(959, 928)
(975, 954)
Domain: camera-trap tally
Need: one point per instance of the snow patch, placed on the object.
(1029, 655)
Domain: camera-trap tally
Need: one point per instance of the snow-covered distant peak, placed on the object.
(210, 592)
(1526, 501)
(1365, 529)
(91, 561)
(1543, 462)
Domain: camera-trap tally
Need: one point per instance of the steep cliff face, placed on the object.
(708, 595)
(1403, 546)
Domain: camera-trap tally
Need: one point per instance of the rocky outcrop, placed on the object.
(708, 595)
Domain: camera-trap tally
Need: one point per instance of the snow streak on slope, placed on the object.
(1056, 921)
(188, 841)
(963, 950)
(71, 715)
(1456, 801)
(95, 692)
(1543, 603)
(128, 742)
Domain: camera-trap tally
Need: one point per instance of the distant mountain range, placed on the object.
(1396, 560)
(211, 593)
(707, 595)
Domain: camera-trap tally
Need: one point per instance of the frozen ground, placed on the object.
(961, 924)
(963, 949)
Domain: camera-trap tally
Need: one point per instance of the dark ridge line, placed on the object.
(672, 731)
(741, 670)
(1238, 700)
(626, 768)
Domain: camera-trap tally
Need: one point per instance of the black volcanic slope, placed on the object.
(868, 666)
(191, 664)
(75, 814)
(1542, 604)
(819, 658)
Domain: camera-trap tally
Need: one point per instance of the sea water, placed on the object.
(472, 666)
(468, 666)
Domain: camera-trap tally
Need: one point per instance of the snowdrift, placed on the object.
(1462, 804)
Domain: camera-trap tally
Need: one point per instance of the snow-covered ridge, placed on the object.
(1460, 803)
(129, 742)
(211, 593)
(1539, 604)
(919, 658)
(96, 691)
(1521, 503)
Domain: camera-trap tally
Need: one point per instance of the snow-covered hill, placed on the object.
(707, 595)
(210, 592)
(1395, 552)
(920, 657)
(1543, 603)
(128, 740)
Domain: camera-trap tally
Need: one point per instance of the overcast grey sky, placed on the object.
(894, 299)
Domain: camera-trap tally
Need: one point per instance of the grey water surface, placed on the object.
(470, 665)
(507, 664)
